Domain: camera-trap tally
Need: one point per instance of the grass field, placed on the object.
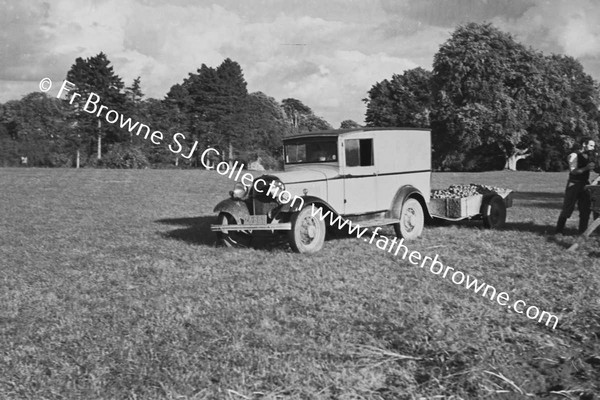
(111, 288)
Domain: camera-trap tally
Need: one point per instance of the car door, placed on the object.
(359, 176)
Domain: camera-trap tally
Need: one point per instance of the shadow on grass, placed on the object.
(549, 200)
(538, 195)
(196, 229)
(542, 230)
(569, 237)
(552, 206)
(529, 227)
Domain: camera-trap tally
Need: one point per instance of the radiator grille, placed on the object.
(264, 205)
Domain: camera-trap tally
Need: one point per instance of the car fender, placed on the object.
(237, 208)
(296, 206)
(404, 193)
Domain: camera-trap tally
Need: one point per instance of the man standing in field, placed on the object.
(581, 163)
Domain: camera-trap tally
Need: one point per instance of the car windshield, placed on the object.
(312, 150)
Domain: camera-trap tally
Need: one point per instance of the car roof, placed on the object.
(338, 132)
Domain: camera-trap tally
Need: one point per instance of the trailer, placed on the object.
(490, 207)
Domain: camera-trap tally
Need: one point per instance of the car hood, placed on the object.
(307, 174)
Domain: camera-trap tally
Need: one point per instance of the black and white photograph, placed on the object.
(300, 199)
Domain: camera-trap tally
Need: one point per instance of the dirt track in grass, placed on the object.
(111, 287)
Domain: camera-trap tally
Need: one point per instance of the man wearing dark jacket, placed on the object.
(580, 165)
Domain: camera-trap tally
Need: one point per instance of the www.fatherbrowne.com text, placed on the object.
(396, 247)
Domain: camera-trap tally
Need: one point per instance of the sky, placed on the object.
(326, 53)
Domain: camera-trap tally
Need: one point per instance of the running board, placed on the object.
(377, 222)
(284, 226)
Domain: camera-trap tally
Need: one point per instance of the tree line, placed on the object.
(211, 107)
(489, 101)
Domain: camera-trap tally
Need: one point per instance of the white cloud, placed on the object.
(568, 27)
(327, 53)
(562, 26)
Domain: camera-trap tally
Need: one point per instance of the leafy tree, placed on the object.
(295, 110)
(349, 124)
(566, 110)
(302, 118)
(493, 97)
(480, 82)
(134, 92)
(35, 127)
(231, 98)
(8, 146)
(133, 107)
(95, 74)
(405, 100)
(188, 105)
(211, 102)
(266, 125)
(167, 118)
(124, 156)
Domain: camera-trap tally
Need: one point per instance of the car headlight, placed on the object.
(239, 191)
(279, 185)
(284, 197)
(279, 188)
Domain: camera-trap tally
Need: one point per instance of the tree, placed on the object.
(295, 110)
(480, 84)
(211, 103)
(495, 98)
(349, 124)
(96, 75)
(266, 125)
(314, 123)
(567, 110)
(35, 127)
(134, 92)
(301, 117)
(231, 98)
(405, 100)
(133, 106)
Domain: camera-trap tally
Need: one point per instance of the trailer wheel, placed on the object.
(412, 220)
(494, 212)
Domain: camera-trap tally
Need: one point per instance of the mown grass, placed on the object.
(111, 287)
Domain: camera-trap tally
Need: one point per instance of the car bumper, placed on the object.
(285, 226)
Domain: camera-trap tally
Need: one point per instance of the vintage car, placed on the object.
(369, 176)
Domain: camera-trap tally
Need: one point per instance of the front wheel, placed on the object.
(412, 220)
(232, 238)
(308, 232)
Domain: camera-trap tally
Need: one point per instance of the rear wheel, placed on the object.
(494, 212)
(308, 232)
(412, 220)
(232, 238)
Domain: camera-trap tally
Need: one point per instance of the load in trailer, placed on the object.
(473, 201)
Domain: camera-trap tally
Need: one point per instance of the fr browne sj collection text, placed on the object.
(92, 106)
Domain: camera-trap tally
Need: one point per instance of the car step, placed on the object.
(377, 222)
(283, 226)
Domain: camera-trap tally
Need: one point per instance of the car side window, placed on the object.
(359, 152)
